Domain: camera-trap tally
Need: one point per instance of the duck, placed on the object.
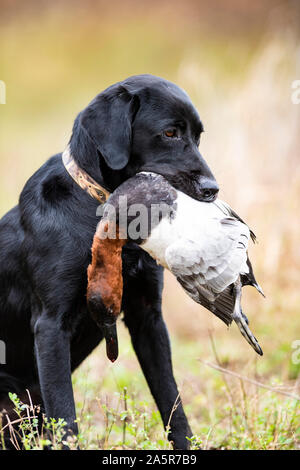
(203, 244)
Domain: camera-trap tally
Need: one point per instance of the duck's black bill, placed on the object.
(111, 338)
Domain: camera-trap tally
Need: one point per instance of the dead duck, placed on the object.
(203, 244)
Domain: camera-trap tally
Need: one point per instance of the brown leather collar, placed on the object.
(83, 179)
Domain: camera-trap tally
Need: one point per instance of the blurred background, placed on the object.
(237, 59)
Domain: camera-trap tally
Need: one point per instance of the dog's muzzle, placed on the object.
(208, 189)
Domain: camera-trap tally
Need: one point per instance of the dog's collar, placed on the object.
(83, 179)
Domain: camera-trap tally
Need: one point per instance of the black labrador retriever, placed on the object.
(143, 123)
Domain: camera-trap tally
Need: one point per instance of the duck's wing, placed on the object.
(222, 305)
(247, 277)
(229, 212)
(207, 268)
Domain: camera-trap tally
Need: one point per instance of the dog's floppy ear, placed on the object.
(108, 120)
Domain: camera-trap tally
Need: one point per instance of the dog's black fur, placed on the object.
(45, 248)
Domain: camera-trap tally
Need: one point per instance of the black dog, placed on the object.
(142, 123)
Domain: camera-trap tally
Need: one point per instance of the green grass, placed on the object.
(116, 411)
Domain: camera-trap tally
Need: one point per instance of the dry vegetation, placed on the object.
(242, 88)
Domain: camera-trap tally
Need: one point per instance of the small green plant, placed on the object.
(31, 430)
(131, 425)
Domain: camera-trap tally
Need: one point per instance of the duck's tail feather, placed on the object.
(259, 289)
(242, 322)
(248, 279)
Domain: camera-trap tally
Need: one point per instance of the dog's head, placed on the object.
(144, 123)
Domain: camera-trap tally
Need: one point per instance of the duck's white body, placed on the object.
(202, 240)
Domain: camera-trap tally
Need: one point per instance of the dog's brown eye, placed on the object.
(170, 133)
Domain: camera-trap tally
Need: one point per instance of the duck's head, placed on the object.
(105, 285)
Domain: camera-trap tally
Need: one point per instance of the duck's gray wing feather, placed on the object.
(206, 275)
(213, 262)
(223, 304)
(228, 211)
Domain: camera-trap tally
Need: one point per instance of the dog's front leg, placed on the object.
(52, 350)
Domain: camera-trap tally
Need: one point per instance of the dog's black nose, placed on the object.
(209, 190)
